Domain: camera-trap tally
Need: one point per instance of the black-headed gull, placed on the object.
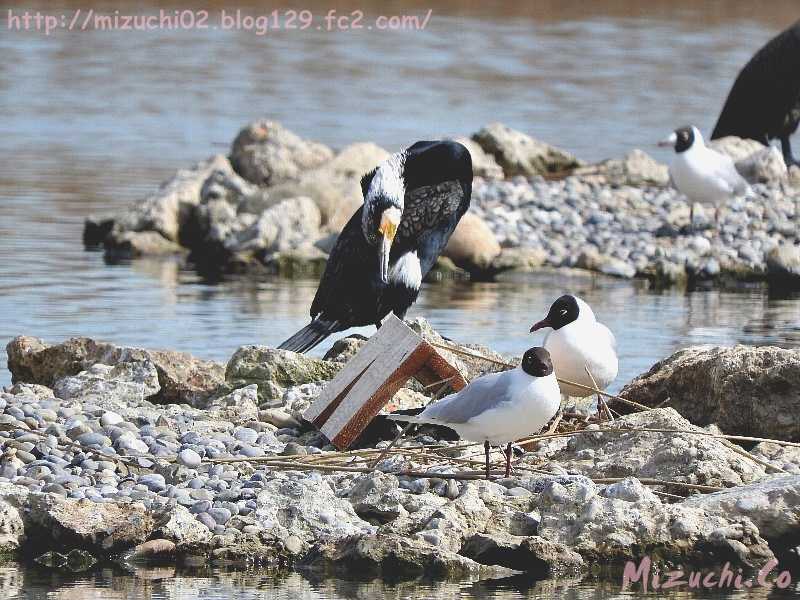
(499, 408)
(577, 343)
(703, 175)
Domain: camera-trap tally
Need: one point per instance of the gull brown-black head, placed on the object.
(562, 312)
(536, 362)
(682, 138)
(384, 194)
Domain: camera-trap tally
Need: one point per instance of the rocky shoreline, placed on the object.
(278, 201)
(139, 455)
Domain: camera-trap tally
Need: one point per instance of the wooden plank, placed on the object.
(384, 392)
(392, 328)
(393, 351)
(362, 375)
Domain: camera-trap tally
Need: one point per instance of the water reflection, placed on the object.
(22, 582)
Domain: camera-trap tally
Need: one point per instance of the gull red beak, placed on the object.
(540, 325)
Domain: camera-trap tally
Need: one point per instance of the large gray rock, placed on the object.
(12, 526)
(745, 390)
(266, 153)
(483, 164)
(783, 264)
(376, 497)
(166, 211)
(763, 166)
(612, 529)
(66, 523)
(335, 186)
(668, 456)
(397, 556)
(772, 504)
(531, 554)
(305, 506)
(126, 383)
(636, 169)
(519, 154)
(269, 367)
(182, 377)
(472, 246)
(179, 525)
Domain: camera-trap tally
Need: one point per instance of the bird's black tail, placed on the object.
(310, 335)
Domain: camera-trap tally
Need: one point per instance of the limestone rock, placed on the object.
(178, 525)
(264, 366)
(472, 246)
(68, 523)
(520, 154)
(182, 378)
(266, 153)
(636, 169)
(680, 457)
(531, 554)
(125, 383)
(745, 390)
(773, 504)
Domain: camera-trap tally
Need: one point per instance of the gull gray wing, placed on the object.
(479, 396)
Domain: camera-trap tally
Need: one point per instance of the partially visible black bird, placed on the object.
(764, 102)
(412, 204)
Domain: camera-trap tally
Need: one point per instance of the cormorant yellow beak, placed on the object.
(390, 221)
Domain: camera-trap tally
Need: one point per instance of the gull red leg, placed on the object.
(508, 460)
(486, 449)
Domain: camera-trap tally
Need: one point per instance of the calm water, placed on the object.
(18, 582)
(93, 120)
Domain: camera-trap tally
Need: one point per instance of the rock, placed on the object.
(166, 211)
(181, 377)
(520, 154)
(376, 497)
(773, 504)
(261, 365)
(745, 390)
(266, 153)
(238, 407)
(679, 457)
(278, 417)
(133, 244)
(126, 383)
(285, 227)
(766, 165)
(396, 556)
(189, 458)
(784, 457)
(783, 264)
(533, 554)
(636, 169)
(519, 259)
(152, 549)
(344, 349)
(610, 529)
(483, 164)
(68, 523)
(735, 147)
(594, 261)
(12, 526)
(472, 246)
(178, 525)
(306, 507)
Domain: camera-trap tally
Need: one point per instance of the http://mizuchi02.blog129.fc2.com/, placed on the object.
(89, 19)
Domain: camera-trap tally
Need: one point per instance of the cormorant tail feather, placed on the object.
(310, 335)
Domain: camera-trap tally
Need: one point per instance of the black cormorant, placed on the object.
(764, 102)
(412, 204)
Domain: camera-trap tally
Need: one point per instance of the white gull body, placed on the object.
(498, 408)
(584, 343)
(704, 175)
